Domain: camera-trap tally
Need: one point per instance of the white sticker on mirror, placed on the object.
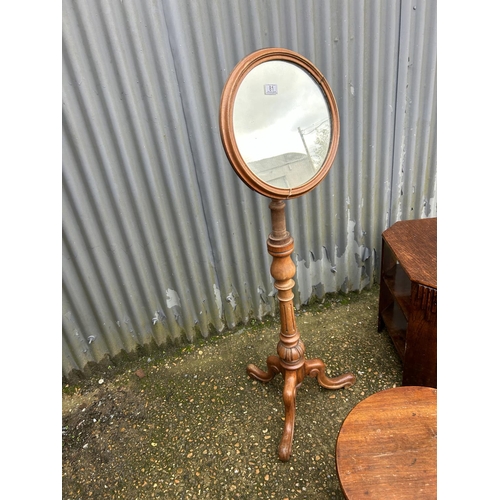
(270, 89)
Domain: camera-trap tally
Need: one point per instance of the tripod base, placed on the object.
(293, 379)
(290, 361)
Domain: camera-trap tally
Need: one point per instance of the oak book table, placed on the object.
(408, 297)
(387, 446)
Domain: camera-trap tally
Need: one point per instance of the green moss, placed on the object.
(144, 354)
(70, 390)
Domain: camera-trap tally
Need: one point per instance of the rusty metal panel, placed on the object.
(161, 240)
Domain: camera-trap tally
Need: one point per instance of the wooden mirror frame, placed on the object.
(227, 128)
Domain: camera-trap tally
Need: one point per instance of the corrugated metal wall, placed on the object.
(161, 240)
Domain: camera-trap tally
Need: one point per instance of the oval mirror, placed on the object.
(279, 123)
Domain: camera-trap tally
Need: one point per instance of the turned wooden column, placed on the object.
(290, 361)
(280, 246)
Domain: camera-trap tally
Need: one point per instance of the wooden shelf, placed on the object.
(396, 324)
(400, 287)
(408, 297)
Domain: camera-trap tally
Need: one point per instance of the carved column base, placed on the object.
(290, 361)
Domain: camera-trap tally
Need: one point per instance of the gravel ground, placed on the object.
(192, 424)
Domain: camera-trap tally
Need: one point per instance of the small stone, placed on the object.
(140, 373)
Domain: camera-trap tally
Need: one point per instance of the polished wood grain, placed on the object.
(408, 297)
(387, 446)
(415, 244)
(290, 361)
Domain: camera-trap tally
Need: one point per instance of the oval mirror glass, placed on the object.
(279, 123)
(282, 124)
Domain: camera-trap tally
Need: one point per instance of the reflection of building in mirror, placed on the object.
(288, 170)
(316, 140)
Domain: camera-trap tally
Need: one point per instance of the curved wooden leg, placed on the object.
(273, 368)
(289, 397)
(316, 368)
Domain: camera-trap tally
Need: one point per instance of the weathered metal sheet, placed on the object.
(161, 240)
(414, 170)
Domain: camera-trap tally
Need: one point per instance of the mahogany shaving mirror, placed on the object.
(280, 129)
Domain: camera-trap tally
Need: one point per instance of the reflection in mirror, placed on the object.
(282, 124)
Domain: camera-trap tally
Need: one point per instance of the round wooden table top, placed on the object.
(387, 446)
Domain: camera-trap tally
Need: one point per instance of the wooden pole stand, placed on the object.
(290, 361)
